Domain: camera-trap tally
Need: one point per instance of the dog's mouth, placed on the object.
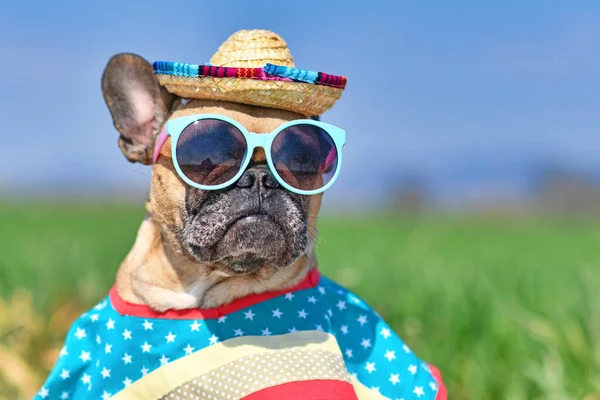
(249, 219)
(251, 244)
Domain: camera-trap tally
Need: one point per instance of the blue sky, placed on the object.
(439, 88)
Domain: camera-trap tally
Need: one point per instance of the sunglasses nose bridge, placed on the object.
(258, 140)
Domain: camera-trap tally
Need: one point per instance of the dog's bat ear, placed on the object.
(138, 104)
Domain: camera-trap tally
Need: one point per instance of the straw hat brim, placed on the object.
(305, 92)
(304, 98)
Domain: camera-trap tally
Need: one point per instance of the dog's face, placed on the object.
(253, 227)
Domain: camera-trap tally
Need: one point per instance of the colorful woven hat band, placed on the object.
(268, 72)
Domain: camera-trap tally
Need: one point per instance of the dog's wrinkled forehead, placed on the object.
(255, 119)
(184, 102)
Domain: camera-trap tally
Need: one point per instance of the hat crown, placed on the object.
(253, 49)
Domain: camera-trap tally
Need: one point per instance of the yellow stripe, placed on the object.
(364, 393)
(162, 380)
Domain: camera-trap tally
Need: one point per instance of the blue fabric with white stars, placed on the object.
(105, 352)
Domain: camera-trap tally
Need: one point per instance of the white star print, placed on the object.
(406, 349)
(105, 373)
(289, 296)
(64, 395)
(195, 326)
(302, 314)
(330, 312)
(349, 353)
(362, 320)
(100, 306)
(126, 359)
(213, 339)
(390, 355)
(238, 332)
(65, 373)
(86, 379)
(319, 328)
(107, 348)
(188, 350)
(222, 319)
(266, 332)
(312, 299)
(144, 371)
(127, 382)
(354, 375)
(341, 305)
(163, 360)
(94, 317)
(85, 356)
(105, 395)
(44, 393)
(170, 338)
(375, 389)
(277, 313)
(394, 379)
(63, 351)
(148, 325)
(146, 347)
(366, 343)
(418, 391)
(80, 334)
(110, 324)
(385, 332)
(293, 330)
(98, 339)
(344, 329)
(321, 290)
(370, 367)
(126, 334)
(412, 369)
(249, 315)
(433, 386)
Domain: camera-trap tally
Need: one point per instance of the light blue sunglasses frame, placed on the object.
(176, 126)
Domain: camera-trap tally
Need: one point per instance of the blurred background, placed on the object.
(470, 193)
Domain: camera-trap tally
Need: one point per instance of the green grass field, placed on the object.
(506, 309)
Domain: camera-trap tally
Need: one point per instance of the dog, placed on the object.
(220, 296)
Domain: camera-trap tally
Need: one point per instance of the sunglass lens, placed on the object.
(210, 152)
(305, 156)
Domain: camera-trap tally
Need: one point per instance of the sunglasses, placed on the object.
(211, 152)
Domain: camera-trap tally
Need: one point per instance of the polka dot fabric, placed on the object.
(106, 351)
(255, 372)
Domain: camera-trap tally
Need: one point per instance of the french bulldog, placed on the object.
(220, 296)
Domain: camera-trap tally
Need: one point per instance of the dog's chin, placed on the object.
(251, 245)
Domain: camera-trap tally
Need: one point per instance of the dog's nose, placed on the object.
(258, 177)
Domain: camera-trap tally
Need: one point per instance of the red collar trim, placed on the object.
(139, 310)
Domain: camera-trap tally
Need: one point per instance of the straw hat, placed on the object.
(253, 67)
